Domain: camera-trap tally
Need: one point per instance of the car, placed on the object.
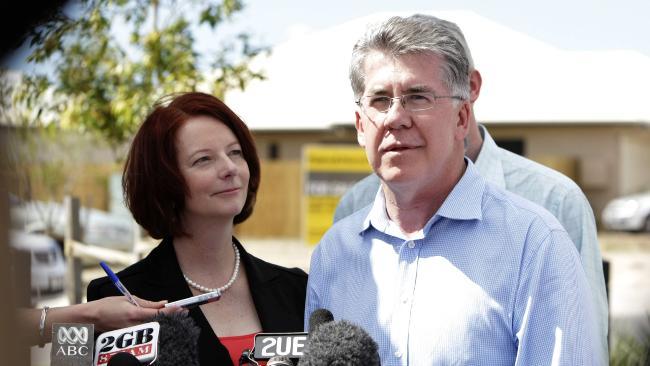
(46, 258)
(628, 213)
(98, 227)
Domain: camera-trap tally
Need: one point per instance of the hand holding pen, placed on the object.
(116, 281)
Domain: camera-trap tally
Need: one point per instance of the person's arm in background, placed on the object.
(106, 314)
(577, 218)
(359, 196)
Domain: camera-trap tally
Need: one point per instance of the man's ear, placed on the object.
(464, 114)
(361, 136)
(475, 82)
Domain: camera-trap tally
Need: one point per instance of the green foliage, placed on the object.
(632, 350)
(105, 84)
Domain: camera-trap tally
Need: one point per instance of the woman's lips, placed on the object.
(228, 191)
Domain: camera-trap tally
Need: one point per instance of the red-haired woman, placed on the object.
(192, 173)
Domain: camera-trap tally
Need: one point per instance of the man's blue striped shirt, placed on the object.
(491, 279)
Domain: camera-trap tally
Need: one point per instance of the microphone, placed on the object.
(141, 341)
(340, 343)
(168, 340)
(123, 359)
(280, 347)
(72, 343)
(319, 317)
(279, 361)
(178, 342)
(269, 345)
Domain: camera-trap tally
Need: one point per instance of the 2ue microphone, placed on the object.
(329, 342)
(278, 347)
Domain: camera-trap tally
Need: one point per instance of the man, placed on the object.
(526, 178)
(443, 267)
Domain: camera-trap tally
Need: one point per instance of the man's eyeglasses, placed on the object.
(376, 107)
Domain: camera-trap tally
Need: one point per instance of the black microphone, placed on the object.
(123, 359)
(166, 340)
(283, 347)
(279, 361)
(140, 340)
(178, 340)
(319, 317)
(340, 343)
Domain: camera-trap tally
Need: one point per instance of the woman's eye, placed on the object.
(236, 152)
(201, 160)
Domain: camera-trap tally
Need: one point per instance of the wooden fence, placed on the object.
(277, 211)
(76, 251)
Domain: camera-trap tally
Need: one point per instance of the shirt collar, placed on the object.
(464, 202)
(488, 163)
(377, 215)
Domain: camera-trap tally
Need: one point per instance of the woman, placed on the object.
(192, 173)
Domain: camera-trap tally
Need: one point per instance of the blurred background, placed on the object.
(564, 84)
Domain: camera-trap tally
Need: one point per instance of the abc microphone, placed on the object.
(72, 344)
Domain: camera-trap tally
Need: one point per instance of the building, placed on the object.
(585, 113)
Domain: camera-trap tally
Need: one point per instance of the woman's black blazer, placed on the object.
(278, 294)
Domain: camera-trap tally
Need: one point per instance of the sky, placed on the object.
(567, 24)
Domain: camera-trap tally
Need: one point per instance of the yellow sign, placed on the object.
(329, 171)
(335, 159)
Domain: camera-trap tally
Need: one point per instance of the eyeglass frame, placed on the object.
(403, 103)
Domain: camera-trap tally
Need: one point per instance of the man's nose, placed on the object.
(397, 116)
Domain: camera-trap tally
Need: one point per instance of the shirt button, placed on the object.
(398, 353)
(411, 244)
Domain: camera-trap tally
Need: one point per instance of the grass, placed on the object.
(631, 350)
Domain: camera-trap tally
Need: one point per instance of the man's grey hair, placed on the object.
(417, 34)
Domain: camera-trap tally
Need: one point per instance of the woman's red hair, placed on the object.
(154, 188)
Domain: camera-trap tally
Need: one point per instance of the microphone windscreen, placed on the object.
(123, 359)
(318, 317)
(340, 343)
(178, 340)
(279, 361)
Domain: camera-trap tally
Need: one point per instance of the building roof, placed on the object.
(524, 80)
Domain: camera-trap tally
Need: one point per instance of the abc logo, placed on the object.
(72, 335)
(71, 340)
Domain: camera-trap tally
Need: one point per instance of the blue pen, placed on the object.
(118, 284)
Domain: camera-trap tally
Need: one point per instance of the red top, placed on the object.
(237, 344)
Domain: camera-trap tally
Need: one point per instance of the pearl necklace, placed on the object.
(223, 288)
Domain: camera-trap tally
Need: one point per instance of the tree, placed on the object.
(102, 84)
(38, 159)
